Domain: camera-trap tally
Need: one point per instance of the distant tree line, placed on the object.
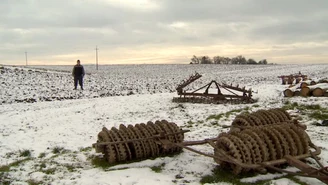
(225, 60)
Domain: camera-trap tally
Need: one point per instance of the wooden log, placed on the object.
(318, 92)
(304, 84)
(319, 89)
(323, 81)
(307, 83)
(313, 83)
(326, 94)
(297, 93)
(288, 93)
(314, 90)
(305, 91)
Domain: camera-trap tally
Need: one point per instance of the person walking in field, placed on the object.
(78, 73)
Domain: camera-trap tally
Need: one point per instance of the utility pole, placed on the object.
(26, 57)
(97, 57)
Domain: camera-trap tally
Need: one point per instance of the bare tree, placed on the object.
(206, 60)
(195, 60)
(251, 61)
(225, 60)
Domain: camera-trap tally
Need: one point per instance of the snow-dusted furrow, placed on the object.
(54, 83)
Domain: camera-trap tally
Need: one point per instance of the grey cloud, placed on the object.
(62, 14)
(242, 10)
(52, 27)
(292, 31)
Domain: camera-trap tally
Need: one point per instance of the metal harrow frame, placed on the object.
(235, 94)
(256, 141)
(306, 170)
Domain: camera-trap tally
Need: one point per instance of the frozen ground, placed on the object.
(49, 83)
(59, 129)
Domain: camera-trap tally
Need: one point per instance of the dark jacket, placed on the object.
(78, 70)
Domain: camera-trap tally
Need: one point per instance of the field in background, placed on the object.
(51, 83)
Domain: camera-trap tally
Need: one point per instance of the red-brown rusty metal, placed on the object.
(140, 141)
(289, 79)
(258, 141)
(234, 94)
(306, 170)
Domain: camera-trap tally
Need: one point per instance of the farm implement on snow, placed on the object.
(257, 141)
(293, 78)
(224, 93)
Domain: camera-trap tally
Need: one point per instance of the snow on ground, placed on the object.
(68, 121)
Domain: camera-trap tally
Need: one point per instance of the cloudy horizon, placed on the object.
(58, 32)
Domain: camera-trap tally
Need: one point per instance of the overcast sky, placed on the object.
(162, 31)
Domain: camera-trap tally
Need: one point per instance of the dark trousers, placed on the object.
(78, 79)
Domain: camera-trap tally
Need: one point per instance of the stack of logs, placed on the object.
(308, 88)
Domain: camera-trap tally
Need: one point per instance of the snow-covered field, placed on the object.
(49, 141)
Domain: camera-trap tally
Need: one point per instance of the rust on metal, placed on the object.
(289, 79)
(233, 94)
(257, 141)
